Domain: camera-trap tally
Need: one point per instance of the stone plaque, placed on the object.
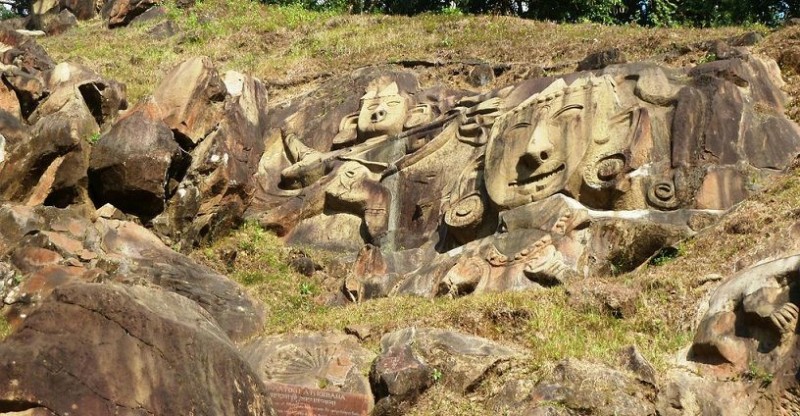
(289, 400)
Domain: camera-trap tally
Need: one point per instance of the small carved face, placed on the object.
(382, 113)
(347, 186)
(536, 150)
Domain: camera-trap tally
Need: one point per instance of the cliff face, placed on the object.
(553, 213)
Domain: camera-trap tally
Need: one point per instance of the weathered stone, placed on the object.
(481, 75)
(595, 388)
(332, 362)
(751, 318)
(55, 24)
(122, 252)
(163, 30)
(23, 52)
(65, 356)
(218, 184)
(190, 98)
(131, 165)
(118, 13)
(602, 59)
(463, 361)
(82, 9)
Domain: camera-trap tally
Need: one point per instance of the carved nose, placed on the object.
(538, 151)
(378, 116)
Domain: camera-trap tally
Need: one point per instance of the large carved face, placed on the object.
(382, 112)
(539, 148)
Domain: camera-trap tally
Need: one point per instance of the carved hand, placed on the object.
(785, 317)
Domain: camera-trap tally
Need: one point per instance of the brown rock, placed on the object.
(461, 362)
(65, 356)
(602, 59)
(131, 165)
(218, 185)
(120, 12)
(595, 388)
(332, 362)
(190, 98)
(82, 9)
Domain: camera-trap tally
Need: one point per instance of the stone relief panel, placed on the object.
(446, 192)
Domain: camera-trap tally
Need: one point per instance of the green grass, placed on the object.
(543, 323)
(5, 328)
(289, 45)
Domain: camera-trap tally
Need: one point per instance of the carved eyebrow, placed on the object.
(567, 108)
(520, 125)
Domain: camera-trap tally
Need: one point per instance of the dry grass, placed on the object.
(288, 46)
(541, 323)
(5, 328)
(291, 48)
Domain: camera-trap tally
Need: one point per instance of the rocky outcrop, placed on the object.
(106, 349)
(446, 193)
(60, 110)
(327, 361)
(136, 162)
(412, 359)
(53, 247)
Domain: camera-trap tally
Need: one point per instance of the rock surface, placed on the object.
(108, 349)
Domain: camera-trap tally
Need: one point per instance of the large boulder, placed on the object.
(412, 359)
(328, 361)
(118, 13)
(51, 157)
(218, 185)
(135, 165)
(191, 98)
(51, 247)
(110, 349)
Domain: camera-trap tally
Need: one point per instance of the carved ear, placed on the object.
(419, 115)
(347, 131)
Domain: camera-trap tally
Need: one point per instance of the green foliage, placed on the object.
(759, 374)
(5, 328)
(645, 12)
(436, 375)
(666, 255)
(94, 138)
(711, 57)
(6, 13)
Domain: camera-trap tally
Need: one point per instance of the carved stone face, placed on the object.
(382, 112)
(540, 148)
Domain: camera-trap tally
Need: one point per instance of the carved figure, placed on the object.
(752, 315)
(563, 140)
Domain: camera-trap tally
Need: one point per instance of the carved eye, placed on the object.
(570, 110)
(394, 103)
(350, 173)
(372, 106)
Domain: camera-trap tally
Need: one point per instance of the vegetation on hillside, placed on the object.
(292, 48)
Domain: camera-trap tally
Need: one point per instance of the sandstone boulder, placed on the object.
(51, 247)
(137, 164)
(190, 98)
(118, 13)
(65, 358)
(413, 359)
(334, 362)
(218, 185)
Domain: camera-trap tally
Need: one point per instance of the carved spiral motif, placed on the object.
(604, 170)
(661, 195)
(465, 213)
